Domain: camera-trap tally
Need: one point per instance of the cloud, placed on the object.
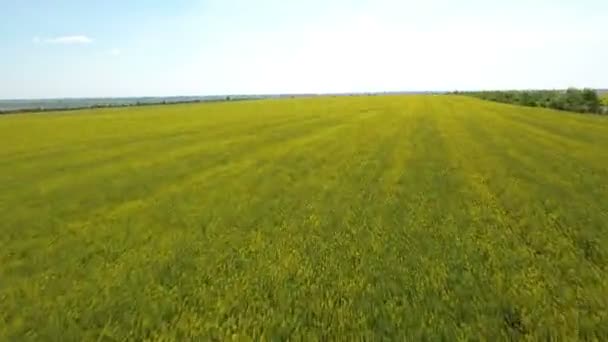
(114, 52)
(65, 40)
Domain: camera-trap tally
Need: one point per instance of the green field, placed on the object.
(417, 217)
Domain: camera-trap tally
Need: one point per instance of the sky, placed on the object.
(76, 48)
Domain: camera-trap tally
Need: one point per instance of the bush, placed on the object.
(574, 100)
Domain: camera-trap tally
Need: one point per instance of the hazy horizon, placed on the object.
(70, 49)
(214, 96)
(602, 90)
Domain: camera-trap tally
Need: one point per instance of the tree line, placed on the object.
(115, 105)
(573, 100)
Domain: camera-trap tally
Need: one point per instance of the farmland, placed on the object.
(418, 217)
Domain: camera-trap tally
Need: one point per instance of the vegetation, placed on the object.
(398, 217)
(574, 100)
(92, 105)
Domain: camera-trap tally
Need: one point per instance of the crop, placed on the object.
(400, 217)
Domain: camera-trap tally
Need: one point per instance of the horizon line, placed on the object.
(285, 94)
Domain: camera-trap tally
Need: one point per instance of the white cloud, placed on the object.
(66, 40)
(114, 52)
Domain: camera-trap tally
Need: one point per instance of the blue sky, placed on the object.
(61, 48)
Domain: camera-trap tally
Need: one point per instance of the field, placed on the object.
(416, 217)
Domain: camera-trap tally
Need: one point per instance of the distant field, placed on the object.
(403, 217)
(75, 103)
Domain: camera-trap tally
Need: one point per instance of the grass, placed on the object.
(327, 218)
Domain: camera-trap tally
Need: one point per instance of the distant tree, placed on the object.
(576, 100)
(526, 99)
(556, 102)
(591, 100)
